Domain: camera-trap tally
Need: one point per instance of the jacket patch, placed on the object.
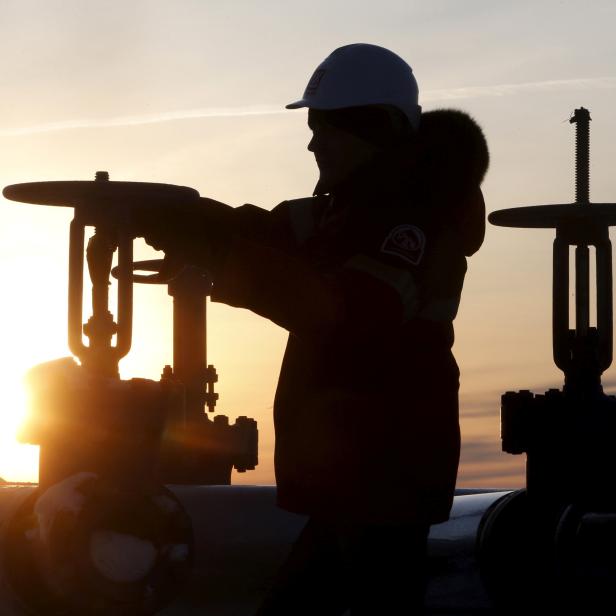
(405, 241)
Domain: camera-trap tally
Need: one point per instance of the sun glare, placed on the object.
(18, 462)
(34, 315)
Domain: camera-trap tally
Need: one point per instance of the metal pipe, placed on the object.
(604, 302)
(125, 295)
(582, 291)
(75, 287)
(189, 337)
(560, 303)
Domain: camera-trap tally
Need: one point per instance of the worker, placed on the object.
(366, 276)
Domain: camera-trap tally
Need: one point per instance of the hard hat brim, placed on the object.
(311, 105)
(297, 104)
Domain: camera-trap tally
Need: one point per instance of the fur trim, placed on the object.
(454, 147)
(453, 161)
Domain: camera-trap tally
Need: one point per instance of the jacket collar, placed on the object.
(387, 176)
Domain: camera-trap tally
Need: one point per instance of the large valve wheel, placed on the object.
(103, 201)
(161, 271)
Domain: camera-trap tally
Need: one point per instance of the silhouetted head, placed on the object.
(361, 75)
(361, 99)
(346, 140)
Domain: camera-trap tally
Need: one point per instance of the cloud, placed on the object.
(482, 462)
(505, 89)
(507, 478)
(151, 118)
(480, 450)
(427, 96)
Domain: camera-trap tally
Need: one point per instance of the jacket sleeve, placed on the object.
(371, 294)
(268, 227)
(287, 227)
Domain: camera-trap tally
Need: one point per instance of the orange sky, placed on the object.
(193, 93)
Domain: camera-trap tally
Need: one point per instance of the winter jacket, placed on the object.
(367, 280)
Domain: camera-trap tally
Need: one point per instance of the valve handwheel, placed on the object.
(162, 270)
(97, 200)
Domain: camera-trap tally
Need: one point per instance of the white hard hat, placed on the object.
(362, 74)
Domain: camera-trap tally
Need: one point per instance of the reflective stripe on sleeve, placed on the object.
(301, 215)
(400, 279)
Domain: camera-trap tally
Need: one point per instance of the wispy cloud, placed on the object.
(484, 464)
(505, 89)
(151, 118)
(427, 96)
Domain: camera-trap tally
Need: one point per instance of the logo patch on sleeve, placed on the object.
(405, 241)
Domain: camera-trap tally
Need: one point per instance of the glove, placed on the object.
(197, 234)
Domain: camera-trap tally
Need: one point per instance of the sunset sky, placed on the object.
(192, 92)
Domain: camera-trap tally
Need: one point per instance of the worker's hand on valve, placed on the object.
(198, 233)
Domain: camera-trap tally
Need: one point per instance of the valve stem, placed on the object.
(581, 118)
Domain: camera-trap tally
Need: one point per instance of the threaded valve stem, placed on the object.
(581, 118)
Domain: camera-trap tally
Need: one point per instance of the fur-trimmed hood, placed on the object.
(454, 151)
(453, 161)
(442, 170)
